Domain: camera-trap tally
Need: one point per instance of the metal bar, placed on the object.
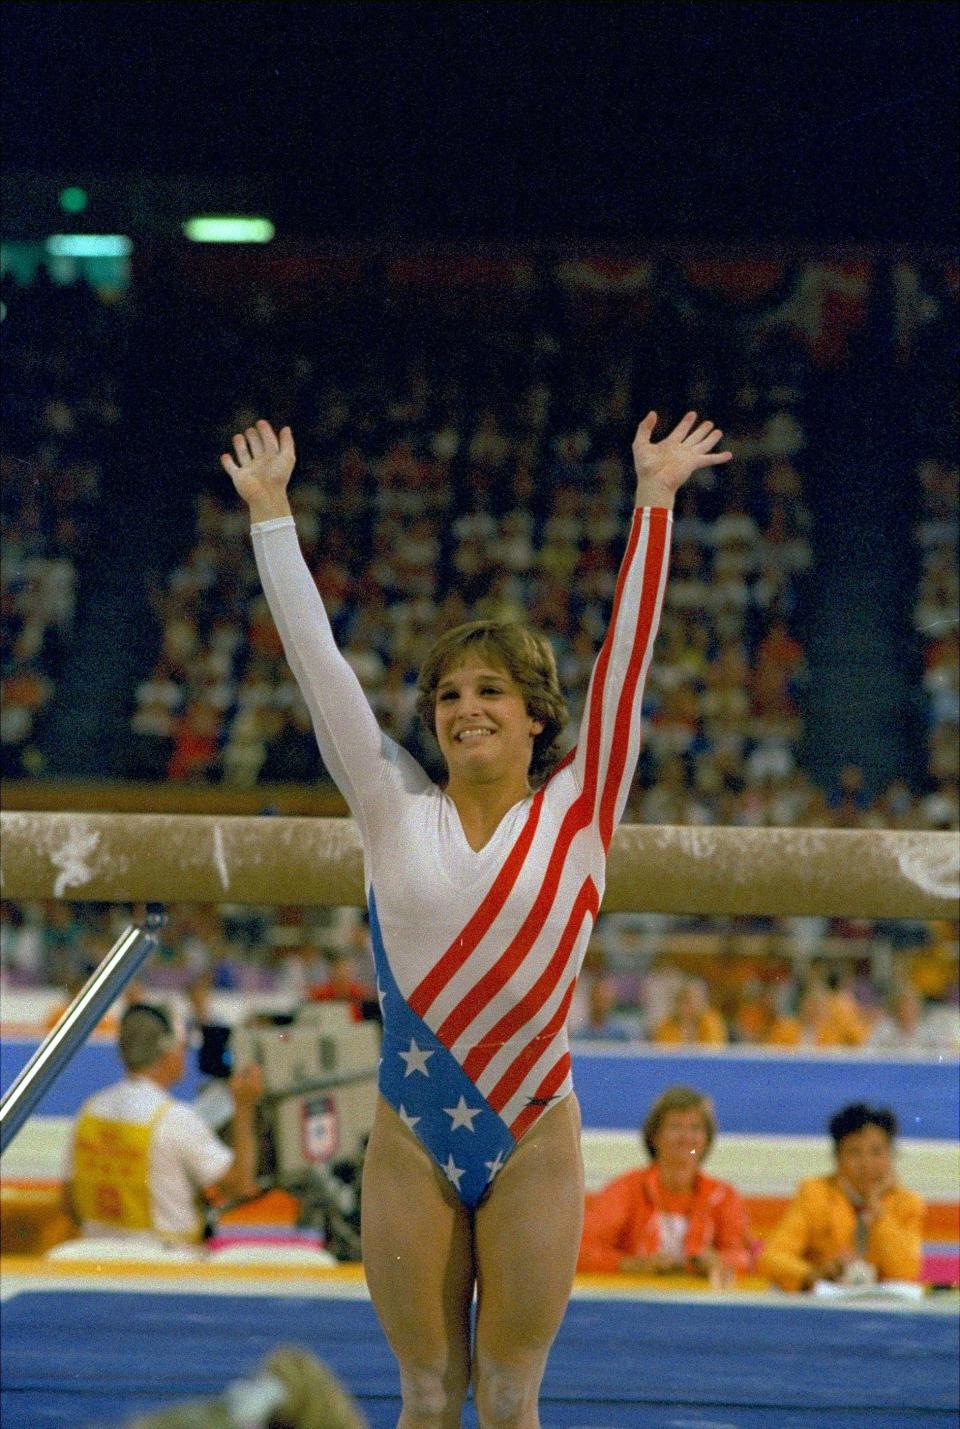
(103, 986)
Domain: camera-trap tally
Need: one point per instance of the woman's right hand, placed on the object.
(261, 468)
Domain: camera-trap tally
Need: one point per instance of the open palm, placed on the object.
(262, 462)
(683, 451)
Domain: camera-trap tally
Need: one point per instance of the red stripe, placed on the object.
(521, 1064)
(499, 973)
(463, 945)
(594, 723)
(554, 1078)
(652, 575)
(577, 817)
(587, 901)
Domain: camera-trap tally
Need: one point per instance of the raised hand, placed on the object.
(662, 467)
(261, 468)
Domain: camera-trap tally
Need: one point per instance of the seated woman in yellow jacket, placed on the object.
(693, 1020)
(856, 1226)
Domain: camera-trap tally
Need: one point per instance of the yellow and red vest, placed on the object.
(111, 1171)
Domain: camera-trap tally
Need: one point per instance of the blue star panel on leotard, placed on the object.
(431, 1093)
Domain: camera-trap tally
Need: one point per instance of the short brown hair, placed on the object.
(146, 1033)
(678, 1098)
(528, 659)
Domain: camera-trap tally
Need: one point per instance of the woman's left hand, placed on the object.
(662, 467)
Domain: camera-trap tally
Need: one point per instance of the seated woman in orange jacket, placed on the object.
(669, 1217)
(856, 1226)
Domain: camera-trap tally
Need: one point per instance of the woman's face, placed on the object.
(681, 1138)
(483, 727)
(865, 1159)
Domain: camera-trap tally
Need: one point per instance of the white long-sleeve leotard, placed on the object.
(477, 953)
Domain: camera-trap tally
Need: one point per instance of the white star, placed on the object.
(381, 994)
(416, 1059)
(453, 1171)
(406, 1118)
(461, 1115)
(494, 1166)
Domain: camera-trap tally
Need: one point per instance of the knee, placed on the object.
(427, 1392)
(503, 1391)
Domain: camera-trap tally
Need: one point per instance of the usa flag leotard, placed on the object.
(477, 953)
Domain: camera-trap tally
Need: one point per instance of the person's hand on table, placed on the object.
(657, 1264)
(712, 1265)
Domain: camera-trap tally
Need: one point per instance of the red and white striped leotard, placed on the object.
(477, 953)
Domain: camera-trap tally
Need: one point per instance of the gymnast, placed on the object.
(482, 894)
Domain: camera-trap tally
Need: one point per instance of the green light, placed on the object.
(88, 245)
(73, 199)
(223, 228)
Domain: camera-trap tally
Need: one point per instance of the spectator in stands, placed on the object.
(848, 798)
(761, 1018)
(340, 985)
(669, 1217)
(829, 1016)
(904, 1027)
(692, 1020)
(600, 1023)
(139, 1161)
(856, 1226)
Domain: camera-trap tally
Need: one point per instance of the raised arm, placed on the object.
(351, 742)
(609, 740)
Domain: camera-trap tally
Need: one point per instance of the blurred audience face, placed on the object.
(601, 1000)
(865, 1160)
(690, 1003)
(681, 1140)
(906, 1008)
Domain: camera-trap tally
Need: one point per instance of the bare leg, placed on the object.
(418, 1259)
(526, 1235)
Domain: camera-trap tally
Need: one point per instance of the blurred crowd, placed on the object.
(471, 455)
(936, 616)
(784, 983)
(60, 421)
(465, 447)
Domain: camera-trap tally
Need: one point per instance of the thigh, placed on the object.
(417, 1250)
(527, 1237)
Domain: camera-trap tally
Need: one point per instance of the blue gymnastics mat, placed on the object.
(95, 1358)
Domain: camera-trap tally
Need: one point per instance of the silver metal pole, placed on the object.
(103, 986)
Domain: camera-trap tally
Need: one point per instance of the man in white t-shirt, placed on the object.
(140, 1164)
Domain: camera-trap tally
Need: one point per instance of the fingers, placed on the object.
(646, 427)
(229, 465)
(683, 428)
(268, 436)
(259, 440)
(707, 443)
(702, 440)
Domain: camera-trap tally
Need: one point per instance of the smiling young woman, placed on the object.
(482, 895)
